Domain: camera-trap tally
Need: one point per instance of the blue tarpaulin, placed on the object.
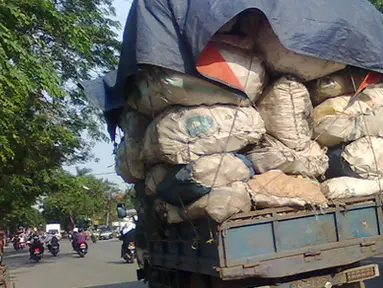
(172, 34)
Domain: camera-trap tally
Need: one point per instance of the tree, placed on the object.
(78, 197)
(45, 47)
(378, 4)
(26, 216)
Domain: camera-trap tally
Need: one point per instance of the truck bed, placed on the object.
(274, 243)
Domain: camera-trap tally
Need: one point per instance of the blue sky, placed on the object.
(103, 151)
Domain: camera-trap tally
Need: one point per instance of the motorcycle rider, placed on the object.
(2, 242)
(92, 235)
(16, 242)
(36, 242)
(127, 235)
(52, 239)
(79, 238)
(73, 237)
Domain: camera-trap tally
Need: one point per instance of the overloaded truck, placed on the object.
(271, 248)
(252, 131)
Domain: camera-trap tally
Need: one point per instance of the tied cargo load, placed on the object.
(247, 113)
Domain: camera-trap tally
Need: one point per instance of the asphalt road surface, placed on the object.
(101, 268)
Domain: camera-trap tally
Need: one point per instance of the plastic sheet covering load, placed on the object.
(348, 187)
(335, 122)
(178, 36)
(336, 84)
(220, 204)
(154, 177)
(283, 61)
(276, 189)
(129, 163)
(271, 154)
(365, 157)
(187, 183)
(233, 66)
(159, 88)
(286, 109)
(183, 134)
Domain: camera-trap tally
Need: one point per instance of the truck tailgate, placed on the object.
(275, 243)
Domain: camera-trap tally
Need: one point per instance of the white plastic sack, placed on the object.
(220, 170)
(160, 88)
(276, 189)
(128, 161)
(284, 61)
(134, 124)
(336, 84)
(154, 177)
(334, 124)
(271, 154)
(365, 157)
(170, 212)
(233, 65)
(220, 204)
(183, 134)
(286, 109)
(348, 187)
(188, 183)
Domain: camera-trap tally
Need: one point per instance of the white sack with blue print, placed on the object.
(183, 134)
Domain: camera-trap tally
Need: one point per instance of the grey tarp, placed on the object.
(172, 34)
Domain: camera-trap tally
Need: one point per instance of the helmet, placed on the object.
(80, 230)
(75, 229)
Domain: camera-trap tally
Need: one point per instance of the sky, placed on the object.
(104, 168)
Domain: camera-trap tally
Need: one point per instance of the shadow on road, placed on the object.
(136, 284)
(376, 282)
(21, 259)
(121, 262)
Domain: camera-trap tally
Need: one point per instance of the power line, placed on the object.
(105, 173)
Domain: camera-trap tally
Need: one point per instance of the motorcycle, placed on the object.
(22, 244)
(17, 244)
(54, 249)
(37, 254)
(53, 245)
(129, 253)
(82, 249)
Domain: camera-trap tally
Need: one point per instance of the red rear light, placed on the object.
(37, 249)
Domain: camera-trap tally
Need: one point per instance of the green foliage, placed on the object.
(378, 4)
(45, 46)
(81, 197)
(25, 216)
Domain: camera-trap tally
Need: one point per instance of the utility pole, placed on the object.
(109, 208)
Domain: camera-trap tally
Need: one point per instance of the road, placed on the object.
(101, 268)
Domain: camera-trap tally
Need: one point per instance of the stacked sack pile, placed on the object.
(202, 148)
